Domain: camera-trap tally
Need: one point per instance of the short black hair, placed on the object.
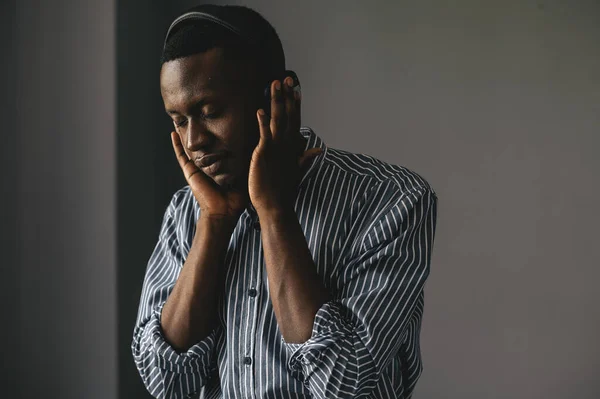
(194, 38)
(197, 36)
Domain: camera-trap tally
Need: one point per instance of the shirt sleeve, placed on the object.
(356, 334)
(165, 372)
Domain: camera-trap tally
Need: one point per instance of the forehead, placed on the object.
(196, 72)
(212, 70)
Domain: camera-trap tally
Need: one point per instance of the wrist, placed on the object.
(277, 215)
(215, 228)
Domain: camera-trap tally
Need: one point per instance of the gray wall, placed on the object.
(59, 314)
(497, 104)
(9, 288)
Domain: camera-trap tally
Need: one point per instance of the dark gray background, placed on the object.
(59, 302)
(495, 103)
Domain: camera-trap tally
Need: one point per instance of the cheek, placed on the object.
(252, 133)
(250, 142)
(240, 129)
(243, 136)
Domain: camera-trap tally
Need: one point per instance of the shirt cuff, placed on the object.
(196, 360)
(330, 328)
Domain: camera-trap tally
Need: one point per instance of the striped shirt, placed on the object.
(370, 228)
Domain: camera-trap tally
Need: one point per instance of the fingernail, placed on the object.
(277, 85)
(290, 82)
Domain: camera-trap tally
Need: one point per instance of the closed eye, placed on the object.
(213, 115)
(180, 124)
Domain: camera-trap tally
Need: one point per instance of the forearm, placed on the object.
(190, 312)
(295, 288)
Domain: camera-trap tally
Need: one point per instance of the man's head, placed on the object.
(212, 83)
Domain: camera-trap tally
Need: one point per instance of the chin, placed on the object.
(225, 180)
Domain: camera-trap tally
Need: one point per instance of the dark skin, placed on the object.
(214, 103)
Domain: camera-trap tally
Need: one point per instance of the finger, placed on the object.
(193, 175)
(292, 107)
(264, 128)
(298, 96)
(185, 163)
(308, 155)
(278, 121)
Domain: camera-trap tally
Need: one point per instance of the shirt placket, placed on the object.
(253, 297)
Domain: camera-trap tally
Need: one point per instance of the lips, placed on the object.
(211, 164)
(209, 159)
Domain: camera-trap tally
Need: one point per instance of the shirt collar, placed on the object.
(313, 141)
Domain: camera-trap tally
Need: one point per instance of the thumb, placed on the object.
(264, 128)
(194, 176)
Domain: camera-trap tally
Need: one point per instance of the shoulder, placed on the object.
(180, 217)
(182, 205)
(396, 179)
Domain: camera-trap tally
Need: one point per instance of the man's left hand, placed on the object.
(277, 160)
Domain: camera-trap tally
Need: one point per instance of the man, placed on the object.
(285, 268)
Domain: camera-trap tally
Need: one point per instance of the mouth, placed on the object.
(210, 163)
(213, 168)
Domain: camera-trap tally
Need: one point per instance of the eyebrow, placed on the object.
(197, 104)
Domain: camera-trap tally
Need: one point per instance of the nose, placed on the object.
(198, 137)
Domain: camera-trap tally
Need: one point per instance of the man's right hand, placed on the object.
(191, 309)
(215, 203)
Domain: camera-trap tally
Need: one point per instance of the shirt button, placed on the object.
(247, 360)
(256, 225)
(252, 292)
